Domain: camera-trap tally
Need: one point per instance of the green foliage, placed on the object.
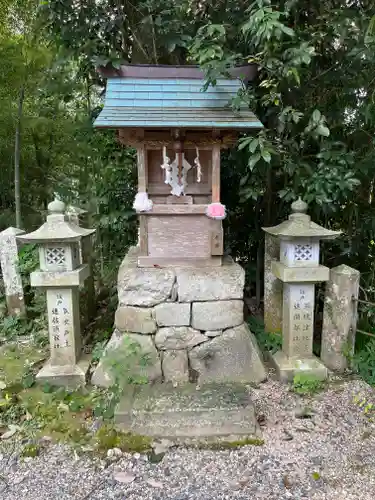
(28, 378)
(127, 363)
(98, 351)
(30, 450)
(366, 406)
(306, 384)
(268, 341)
(13, 326)
(363, 362)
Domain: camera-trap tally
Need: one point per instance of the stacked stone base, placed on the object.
(187, 322)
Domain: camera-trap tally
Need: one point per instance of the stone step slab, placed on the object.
(164, 411)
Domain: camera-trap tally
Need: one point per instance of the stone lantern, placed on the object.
(61, 274)
(299, 270)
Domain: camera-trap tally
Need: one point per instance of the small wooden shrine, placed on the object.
(178, 130)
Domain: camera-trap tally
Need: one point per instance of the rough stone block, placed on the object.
(175, 366)
(118, 347)
(178, 337)
(10, 271)
(135, 319)
(273, 287)
(184, 413)
(233, 356)
(340, 317)
(143, 287)
(287, 368)
(68, 376)
(172, 314)
(216, 315)
(222, 283)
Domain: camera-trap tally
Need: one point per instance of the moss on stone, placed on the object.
(13, 360)
(108, 437)
(230, 445)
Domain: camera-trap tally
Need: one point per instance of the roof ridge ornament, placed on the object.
(299, 206)
(56, 206)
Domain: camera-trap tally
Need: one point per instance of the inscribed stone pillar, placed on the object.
(340, 317)
(63, 326)
(273, 287)
(11, 275)
(298, 320)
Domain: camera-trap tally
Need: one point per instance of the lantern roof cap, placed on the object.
(57, 227)
(300, 225)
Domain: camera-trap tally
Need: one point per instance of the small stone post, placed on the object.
(298, 269)
(61, 274)
(11, 275)
(80, 217)
(340, 317)
(273, 287)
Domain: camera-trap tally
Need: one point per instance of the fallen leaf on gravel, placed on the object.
(287, 482)
(261, 420)
(10, 433)
(234, 485)
(303, 429)
(161, 446)
(167, 471)
(154, 484)
(287, 436)
(45, 439)
(244, 480)
(303, 412)
(63, 407)
(124, 477)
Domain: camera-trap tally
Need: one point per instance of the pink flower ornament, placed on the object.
(216, 211)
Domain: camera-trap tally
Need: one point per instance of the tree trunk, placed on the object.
(17, 153)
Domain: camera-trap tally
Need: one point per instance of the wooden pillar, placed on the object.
(142, 168)
(216, 173)
(142, 188)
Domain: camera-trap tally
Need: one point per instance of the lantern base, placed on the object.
(70, 376)
(287, 368)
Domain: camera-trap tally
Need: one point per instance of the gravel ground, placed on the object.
(329, 455)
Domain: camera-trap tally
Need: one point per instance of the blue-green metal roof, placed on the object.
(161, 103)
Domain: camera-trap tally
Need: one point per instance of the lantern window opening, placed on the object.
(55, 256)
(303, 252)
